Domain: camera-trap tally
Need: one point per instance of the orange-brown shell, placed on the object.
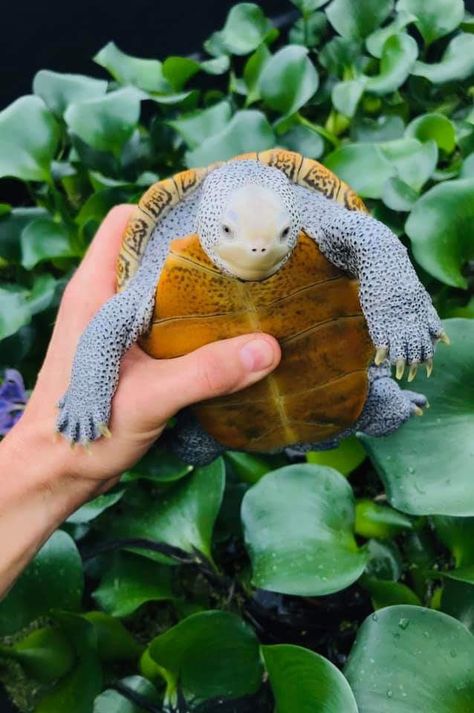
(310, 306)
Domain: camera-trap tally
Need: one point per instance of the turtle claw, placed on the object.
(412, 371)
(400, 368)
(417, 411)
(104, 430)
(443, 337)
(380, 355)
(429, 367)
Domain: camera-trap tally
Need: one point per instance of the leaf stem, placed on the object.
(317, 129)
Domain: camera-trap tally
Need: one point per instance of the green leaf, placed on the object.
(44, 239)
(427, 465)
(14, 312)
(385, 594)
(112, 701)
(398, 58)
(457, 62)
(436, 127)
(340, 55)
(304, 681)
(363, 166)
(195, 128)
(376, 41)
(346, 95)
(306, 7)
(59, 90)
(253, 69)
(356, 20)
(44, 654)
(348, 456)
(248, 130)
(250, 467)
(384, 128)
(245, 28)
(183, 517)
(375, 520)
(54, 579)
(114, 642)
(308, 31)
(414, 161)
(107, 122)
(435, 18)
(146, 74)
(412, 659)
(457, 533)
(130, 582)
(304, 140)
(385, 561)
(288, 80)
(208, 655)
(457, 600)
(159, 466)
(439, 226)
(398, 195)
(29, 137)
(95, 507)
(318, 553)
(467, 170)
(178, 70)
(42, 293)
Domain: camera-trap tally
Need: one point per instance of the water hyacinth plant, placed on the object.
(341, 584)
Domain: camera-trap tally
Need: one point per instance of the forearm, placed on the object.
(36, 496)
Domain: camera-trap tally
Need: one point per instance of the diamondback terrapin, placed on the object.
(271, 242)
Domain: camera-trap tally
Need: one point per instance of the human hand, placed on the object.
(150, 391)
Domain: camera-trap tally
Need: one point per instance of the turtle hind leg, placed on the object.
(388, 406)
(192, 443)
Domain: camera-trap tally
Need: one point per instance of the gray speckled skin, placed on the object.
(398, 310)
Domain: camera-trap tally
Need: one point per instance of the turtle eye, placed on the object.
(285, 232)
(227, 230)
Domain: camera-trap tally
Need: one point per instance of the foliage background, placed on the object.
(254, 582)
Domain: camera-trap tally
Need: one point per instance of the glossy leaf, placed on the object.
(107, 122)
(399, 54)
(398, 195)
(439, 230)
(457, 600)
(114, 641)
(58, 90)
(95, 507)
(346, 95)
(414, 162)
(130, 582)
(436, 127)
(357, 20)
(29, 136)
(456, 64)
(253, 70)
(308, 31)
(318, 553)
(385, 593)
(303, 140)
(376, 520)
(288, 79)
(44, 239)
(435, 18)
(363, 166)
(245, 28)
(158, 466)
(14, 312)
(376, 41)
(197, 127)
(113, 701)
(145, 74)
(183, 517)
(306, 7)
(388, 670)
(457, 533)
(304, 681)
(44, 654)
(210, 654)
(427, 465)
(53, 580)
(348, 455)
(248, 130)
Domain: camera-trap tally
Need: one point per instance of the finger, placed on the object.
(213, 370)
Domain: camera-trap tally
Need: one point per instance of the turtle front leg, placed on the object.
(388, 406)
(84, 410)
(402, 321)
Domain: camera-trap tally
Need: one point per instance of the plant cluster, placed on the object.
(344, 583)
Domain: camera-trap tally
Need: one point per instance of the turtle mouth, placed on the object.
(251, 264)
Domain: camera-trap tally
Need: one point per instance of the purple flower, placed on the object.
(12, 400)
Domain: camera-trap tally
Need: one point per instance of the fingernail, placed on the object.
(257, 355)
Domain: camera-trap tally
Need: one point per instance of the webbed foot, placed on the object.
(81, 421)
(388, 407)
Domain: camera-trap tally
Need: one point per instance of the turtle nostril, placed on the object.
(263, 250)
(254, 250)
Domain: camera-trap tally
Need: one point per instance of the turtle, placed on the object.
(267, 241)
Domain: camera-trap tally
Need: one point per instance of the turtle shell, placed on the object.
(311, 307)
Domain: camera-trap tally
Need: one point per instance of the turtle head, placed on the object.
(248, 219)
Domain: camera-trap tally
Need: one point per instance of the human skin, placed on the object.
(43, 479)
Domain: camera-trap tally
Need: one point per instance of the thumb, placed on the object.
(217, 369)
